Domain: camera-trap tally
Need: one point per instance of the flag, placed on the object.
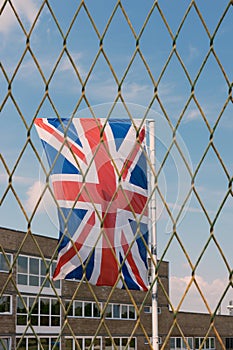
(99, 177)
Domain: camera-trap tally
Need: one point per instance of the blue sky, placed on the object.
(193, 132)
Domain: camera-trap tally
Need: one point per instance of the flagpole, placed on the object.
(155, 338)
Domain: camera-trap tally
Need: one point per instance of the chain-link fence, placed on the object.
(165, 61)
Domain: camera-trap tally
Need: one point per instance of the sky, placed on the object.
(174, 71)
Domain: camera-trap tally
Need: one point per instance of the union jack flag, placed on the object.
(99, 178)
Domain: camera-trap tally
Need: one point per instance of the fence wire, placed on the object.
(46, 100)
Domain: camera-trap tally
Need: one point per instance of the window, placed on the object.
(229, 343)
(43, 311)
(5, 260)
(208, 344)
(108, 311)
(5, 304)
(178, 343)
(32, 271)
(120, 311)
(91, 309)
(78, 309)
(83, 309)
(120, 343)
(116, 311)
(148, 310)
(28, 343)
(124, 311)
(5, 343)
(88, 309)
(84, 343)
(159, 340)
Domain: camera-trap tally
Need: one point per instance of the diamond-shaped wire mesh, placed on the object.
(67, 58)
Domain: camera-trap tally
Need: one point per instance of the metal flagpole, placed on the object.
(155, 338)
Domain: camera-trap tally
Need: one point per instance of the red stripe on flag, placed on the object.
(39, 122)
(106, 188)
(128, 162)
(72, 191)
(132, 201)
(122, 200)
(66, 257)
(131, 261)
(109, 268)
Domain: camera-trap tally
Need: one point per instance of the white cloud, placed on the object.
(193, 53)
(134, 91)
(193, 301)
(187, 208)
(16, 179)
(66, 65)
(26, 9)
(166, 93)
(106, 90)
(193, 114)
(33, 196)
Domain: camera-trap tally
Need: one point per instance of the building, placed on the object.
(36, 312)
